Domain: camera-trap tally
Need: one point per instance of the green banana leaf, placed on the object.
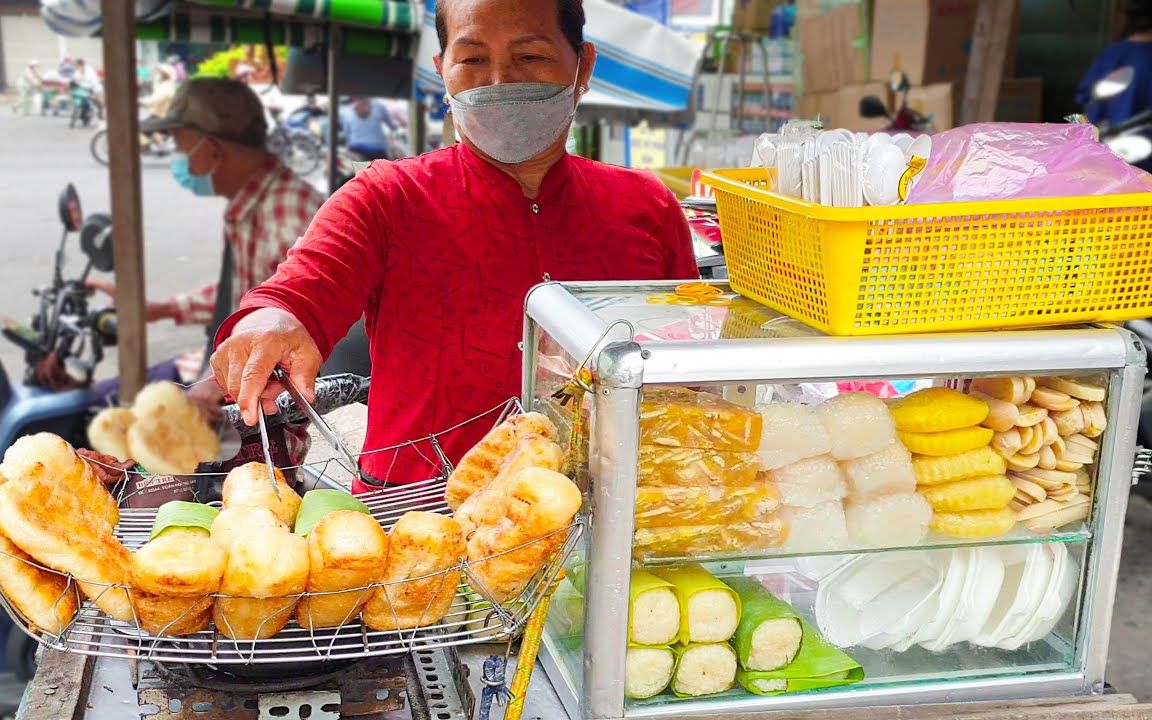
(819, 665)
(759, 606)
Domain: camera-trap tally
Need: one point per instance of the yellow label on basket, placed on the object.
(915, 166)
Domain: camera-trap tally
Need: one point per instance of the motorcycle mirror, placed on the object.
(69, 208)
(96, 241)
(872, 107)
(898, 81)
(1113, 83)
(1131, 148)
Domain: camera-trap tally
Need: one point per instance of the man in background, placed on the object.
(219, 130)
(363, 125)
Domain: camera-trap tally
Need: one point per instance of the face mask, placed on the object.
(514, 122)
(199, 184)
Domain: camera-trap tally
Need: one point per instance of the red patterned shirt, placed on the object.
(439, 252)
(262, 221)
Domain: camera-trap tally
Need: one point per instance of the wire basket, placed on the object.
(470, 620)
(940, 267)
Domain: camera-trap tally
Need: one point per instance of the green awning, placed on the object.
(209, 29)
(379, 14)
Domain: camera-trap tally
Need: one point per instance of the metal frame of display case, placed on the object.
(623, 367)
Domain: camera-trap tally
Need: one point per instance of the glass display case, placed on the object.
(785, 520)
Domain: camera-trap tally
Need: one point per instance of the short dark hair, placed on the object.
(570, 14)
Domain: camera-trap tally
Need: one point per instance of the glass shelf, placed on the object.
(1075, 532)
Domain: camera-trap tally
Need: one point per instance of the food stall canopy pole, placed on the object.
(990, 41)
(334, 37)
(124, 176)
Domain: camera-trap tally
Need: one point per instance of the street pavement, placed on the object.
(38, 156)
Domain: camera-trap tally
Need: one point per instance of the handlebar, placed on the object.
(332, 392)
(1135, 121)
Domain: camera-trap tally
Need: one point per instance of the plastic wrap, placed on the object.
(671, 506)
(691, 540)
(679, 417)
(670, 466)
(1004, 161)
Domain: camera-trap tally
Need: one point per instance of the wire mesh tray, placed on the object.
(470, 620)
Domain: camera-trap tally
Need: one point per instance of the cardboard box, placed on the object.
(754, 16)
(938, 101)
(819, 105)
(929, 40)
(1021, 100)
(852, 46)
(835, 48)
(848, 107)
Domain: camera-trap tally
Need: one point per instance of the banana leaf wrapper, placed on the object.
(819, 665)
(770, 633)
(703, 618)
(653, 610)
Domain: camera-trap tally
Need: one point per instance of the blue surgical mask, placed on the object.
(199, 184)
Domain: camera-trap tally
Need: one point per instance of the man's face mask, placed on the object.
(514, 122)
(199, 184)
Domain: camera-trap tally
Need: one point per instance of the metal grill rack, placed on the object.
(471, 620)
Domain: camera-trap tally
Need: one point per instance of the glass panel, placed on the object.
(656, 321)
(744, 471)
(551, 395)
(899, 618)
(565, 624)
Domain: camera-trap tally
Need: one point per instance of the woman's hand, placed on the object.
(261, 341)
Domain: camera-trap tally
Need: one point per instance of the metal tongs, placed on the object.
(325, 430)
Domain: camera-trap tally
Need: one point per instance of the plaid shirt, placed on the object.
(261, 223)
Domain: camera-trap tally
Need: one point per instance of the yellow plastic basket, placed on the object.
(933, 268)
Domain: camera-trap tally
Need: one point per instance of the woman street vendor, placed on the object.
(438, 252)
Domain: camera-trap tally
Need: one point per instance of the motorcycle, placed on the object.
(1128, 139)
(81, 105)
(904, 119)
(299, 150)
(63, 345)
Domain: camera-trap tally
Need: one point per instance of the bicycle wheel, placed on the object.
(301, 154)
(99, 147)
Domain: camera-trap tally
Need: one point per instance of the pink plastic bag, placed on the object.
(1003, 161)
